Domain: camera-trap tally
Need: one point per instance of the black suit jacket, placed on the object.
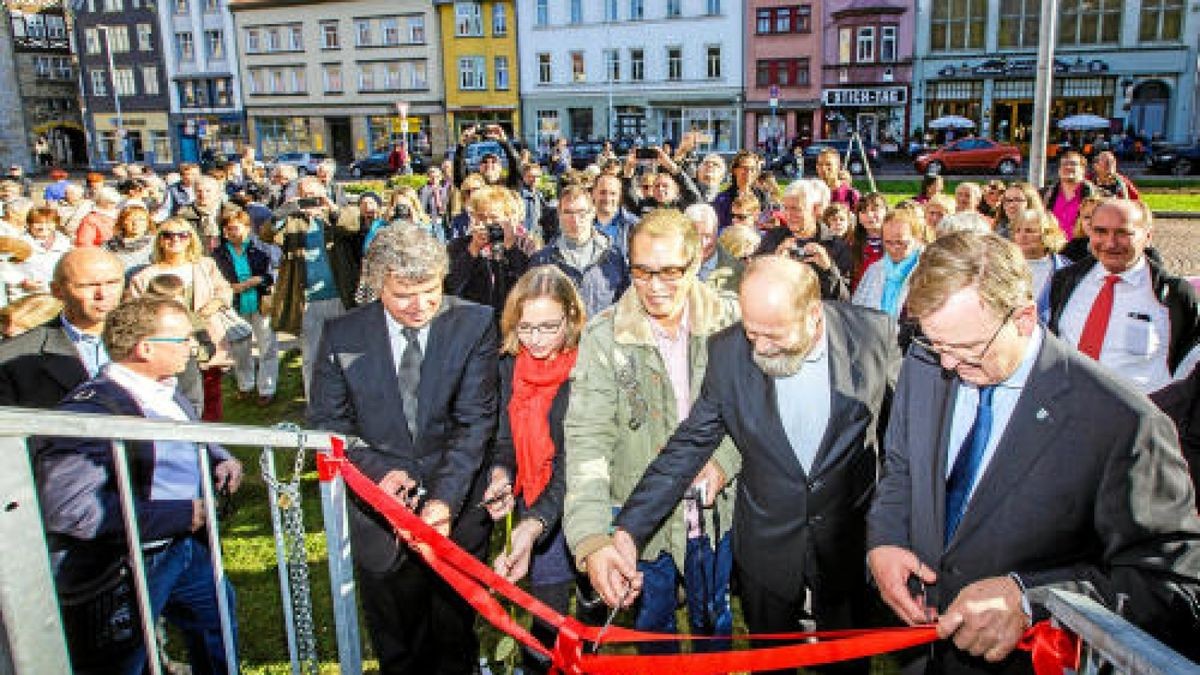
(1087, 491)
(355, 391)
(791, 529)
(40, 367)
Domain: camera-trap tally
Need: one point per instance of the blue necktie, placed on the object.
(967, 463)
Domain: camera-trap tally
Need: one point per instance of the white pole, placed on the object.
(1043, 86)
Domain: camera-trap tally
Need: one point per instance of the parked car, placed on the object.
(971, 154)
(853, 163)
(305, 162)
(376, 164)
(476, 151)
(1179, 160)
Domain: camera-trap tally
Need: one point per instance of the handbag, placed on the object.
(100, 615)
(236, 328)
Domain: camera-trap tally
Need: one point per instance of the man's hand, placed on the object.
(515, 564)
(986, 618)
(198, 516)
(714, 477)
(398, 484)
(818, 255)
(665, 161)
(631, 161)
(228, 475)
(437, 515)
(498, 497)
(613, 571)
(891, 567)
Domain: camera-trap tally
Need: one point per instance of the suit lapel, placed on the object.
(844, 374)
(761, 388)
(67, 372)
(1032, 430)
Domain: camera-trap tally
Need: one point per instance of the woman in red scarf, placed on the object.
(540, 328)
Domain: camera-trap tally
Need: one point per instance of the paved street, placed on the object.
(1177, 240)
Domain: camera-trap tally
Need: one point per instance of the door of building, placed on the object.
(341, 139)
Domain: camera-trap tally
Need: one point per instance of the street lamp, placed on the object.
(402, 111)
(112, 79)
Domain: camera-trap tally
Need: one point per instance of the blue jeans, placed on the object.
(180, 581)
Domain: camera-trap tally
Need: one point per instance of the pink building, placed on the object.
(866, 70)
(783, 65)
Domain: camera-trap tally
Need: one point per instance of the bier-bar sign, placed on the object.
(864, 96)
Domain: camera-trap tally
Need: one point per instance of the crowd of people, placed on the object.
(671, 372)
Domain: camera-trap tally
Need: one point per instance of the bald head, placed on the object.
(781, 313)
(89, 282)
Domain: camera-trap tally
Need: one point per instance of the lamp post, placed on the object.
(112, 80)
(402, 111)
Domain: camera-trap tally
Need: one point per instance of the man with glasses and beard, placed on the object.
(798, 386)
(1016, 465)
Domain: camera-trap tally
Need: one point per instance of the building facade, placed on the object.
(333, 76)
(46, 124)
(124, 83)
(1133, 62)
(479, 53)
(783, 72)
(204, 89)
(631, 69)
(867, 70)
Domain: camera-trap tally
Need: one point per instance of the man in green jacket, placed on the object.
(640, 366)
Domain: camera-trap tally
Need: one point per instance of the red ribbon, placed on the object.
(479, 585)
(1052, 649)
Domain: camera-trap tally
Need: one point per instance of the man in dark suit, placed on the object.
(1014, 466)
(798, 386)
(38, 368)
(412, 375)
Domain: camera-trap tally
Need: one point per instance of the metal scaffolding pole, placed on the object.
(1043, 86)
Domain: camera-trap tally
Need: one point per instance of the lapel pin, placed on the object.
(1042, 415)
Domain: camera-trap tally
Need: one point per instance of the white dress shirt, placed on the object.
(1139, 329)
(176, 465)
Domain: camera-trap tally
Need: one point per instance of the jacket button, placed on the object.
(815, 484)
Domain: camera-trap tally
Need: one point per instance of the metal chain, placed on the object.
(291, 518)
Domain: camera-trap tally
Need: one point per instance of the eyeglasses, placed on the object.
(1014, 200)
(173, 235)
(549, 328)
(667, 274)
(575, 212)
(193, 348)
(742, 216)
(957, 353)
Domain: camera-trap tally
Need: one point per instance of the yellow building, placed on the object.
(479, 57)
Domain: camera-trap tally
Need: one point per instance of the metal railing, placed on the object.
(31, 638)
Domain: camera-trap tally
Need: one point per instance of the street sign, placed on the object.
(774, 102)
(774, 91)
(404, 126)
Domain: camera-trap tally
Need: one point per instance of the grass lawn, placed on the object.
(1160, 194)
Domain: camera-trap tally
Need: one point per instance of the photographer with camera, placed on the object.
(490, 166)
(321, 257)
(672, 188)
(488, 260)
(801, 239)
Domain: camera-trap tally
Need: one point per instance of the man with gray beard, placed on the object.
(798, 386)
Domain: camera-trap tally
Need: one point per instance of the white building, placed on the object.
(649, 69)
(200, 58)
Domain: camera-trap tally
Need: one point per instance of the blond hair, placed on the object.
(543, 281)
(670, 223)
(506, 199)
(194, 250)
(741, 241)
(992, 265)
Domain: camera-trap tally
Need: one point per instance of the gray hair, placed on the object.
(814, 192)
(403, 251)
(965, 221)
(107, 195)
(701, 213)
(330, 164)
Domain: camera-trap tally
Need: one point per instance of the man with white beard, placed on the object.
(798, 386)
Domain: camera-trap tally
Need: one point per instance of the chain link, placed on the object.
(291, 518)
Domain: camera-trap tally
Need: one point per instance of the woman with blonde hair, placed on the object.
(178, 251)
(404, 206)
(1040, 239)
(540, 327)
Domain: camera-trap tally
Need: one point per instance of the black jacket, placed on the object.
(1172, 292)
(260, 266)
(481, 279)
(834, 284)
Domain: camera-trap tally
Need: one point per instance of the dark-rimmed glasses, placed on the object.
(956, 352)
(668, 274)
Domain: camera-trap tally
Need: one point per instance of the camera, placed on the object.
(647, 153)
(495, 235)
(402, 212)
(309, 202)
(797, 252)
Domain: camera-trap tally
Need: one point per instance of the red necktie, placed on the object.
(1092, 339)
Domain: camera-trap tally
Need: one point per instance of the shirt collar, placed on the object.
(143, 388)
(819, 348)
(74, 333)
(683, 330)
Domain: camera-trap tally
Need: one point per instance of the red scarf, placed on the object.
(535, 383)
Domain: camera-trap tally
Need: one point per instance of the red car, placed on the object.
(971, 154)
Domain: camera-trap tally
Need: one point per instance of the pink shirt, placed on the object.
(1067, 210)
(674, 352)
